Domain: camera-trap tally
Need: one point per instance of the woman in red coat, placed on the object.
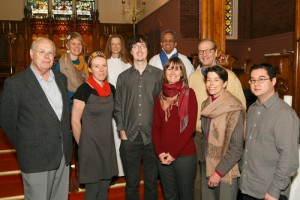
(175, 114)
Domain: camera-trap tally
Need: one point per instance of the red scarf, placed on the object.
(176, 94)
(101, 91)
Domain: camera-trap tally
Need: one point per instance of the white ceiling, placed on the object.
(110, 11)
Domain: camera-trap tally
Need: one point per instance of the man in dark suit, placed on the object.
(35, 116)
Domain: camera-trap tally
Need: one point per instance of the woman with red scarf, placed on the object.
(92, 114)
(175, 115)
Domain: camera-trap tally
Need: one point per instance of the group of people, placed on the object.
(188, 127)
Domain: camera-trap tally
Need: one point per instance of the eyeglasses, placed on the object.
(42, 52)
(259, 80)
(207, 51)
(136, 46)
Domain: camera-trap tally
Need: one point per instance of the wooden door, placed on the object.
(285, 67)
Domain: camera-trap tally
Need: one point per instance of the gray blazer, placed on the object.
(31, 124)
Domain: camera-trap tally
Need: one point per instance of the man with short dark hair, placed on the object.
(271, 151)
(168, 44)
(136, 90)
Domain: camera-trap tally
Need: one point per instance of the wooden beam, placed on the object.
(212, 21)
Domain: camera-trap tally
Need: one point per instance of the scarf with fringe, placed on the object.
(223, 113)
(175, 95)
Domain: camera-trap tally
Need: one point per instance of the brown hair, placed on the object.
(175, 61)
(123, 53)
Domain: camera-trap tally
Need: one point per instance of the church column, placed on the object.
(212, 21)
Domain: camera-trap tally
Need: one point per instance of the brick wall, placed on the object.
(271, 17)
(260, 18)
(266, 26)
(182, 17)
(189, 18)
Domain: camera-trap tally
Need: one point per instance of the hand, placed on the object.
(162, 156)
(123, 135)
(214, 180)
(269, 197)
(168, 159)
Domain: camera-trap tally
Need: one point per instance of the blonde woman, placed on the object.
(72, 64)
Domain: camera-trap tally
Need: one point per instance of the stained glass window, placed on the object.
(85, 9)
(38, 8)
(231, 19)
(62, 9)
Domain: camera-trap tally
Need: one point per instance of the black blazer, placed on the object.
(31, 124)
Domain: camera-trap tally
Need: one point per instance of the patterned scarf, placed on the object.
(223, 113)
(175, 94)
(82, 66)
(102, 91)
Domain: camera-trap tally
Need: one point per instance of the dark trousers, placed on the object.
(178, 178)
(98, 190)
(247, 197)
(197, 185)
(132, 153)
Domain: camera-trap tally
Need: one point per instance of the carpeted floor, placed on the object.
(11, 181)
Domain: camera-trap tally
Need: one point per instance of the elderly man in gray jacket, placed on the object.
(34, 113)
